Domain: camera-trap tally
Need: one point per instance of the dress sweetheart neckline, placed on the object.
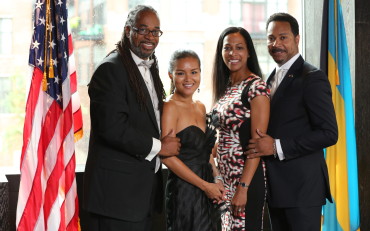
(190, 127)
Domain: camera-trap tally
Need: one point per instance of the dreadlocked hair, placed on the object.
(134, 75)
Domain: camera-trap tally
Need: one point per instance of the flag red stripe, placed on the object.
(77, 114)
(77, 117)
(29, 164)
(34, 202)
(69, 176)
(69, 179)
(73, 224)
(33, 96)
(48, 193)
(73, 77)
(52, 186)
(70, 185)
(51, 192)
(62, 225)
(70, 44)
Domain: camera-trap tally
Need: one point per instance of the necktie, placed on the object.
(147, 76)
(149, 84)
(153, 95)
(147, 63)
(274, 84)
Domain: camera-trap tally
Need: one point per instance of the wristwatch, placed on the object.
(242, 184)
(274, 150)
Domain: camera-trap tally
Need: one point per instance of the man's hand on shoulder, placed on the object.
(170, 145)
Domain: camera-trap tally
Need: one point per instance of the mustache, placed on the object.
(147, 42)
(274, 50)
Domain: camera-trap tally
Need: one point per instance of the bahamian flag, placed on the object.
(343, 214)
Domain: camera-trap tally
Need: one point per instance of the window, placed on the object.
(88, 18)
(5, 36)
(96, 27)
(5, 87)
(153, 3)
(189, 15)
(254, 18)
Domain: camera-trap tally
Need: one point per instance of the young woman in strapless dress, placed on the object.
(191, 193)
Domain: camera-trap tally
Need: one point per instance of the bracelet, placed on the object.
(242, 184)
(218, 178)
(274, 149)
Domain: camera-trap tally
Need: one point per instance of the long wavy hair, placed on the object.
(221, 73)
(134, 76)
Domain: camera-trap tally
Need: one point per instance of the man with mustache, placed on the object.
(302, 123)
(123, 180)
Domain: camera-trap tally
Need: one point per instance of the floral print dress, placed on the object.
(231, 117)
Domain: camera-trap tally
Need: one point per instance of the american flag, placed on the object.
(48, 194)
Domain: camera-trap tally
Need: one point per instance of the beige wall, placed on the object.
(312, 33)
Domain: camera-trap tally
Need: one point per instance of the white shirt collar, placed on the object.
(136, 58)
(288, 64)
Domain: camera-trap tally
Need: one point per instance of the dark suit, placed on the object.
(303, 118)
(118, 181)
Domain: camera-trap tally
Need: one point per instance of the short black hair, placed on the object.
(285, 17)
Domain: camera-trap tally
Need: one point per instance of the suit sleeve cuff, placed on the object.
(157, 145)
(279, 150)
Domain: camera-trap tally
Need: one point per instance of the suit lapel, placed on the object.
(149, 105)
(291, 74)
(270, 77)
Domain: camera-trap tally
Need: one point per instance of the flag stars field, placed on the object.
(47, 198)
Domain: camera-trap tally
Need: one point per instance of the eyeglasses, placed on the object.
(145, 31)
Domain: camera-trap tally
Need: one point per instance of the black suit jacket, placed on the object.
(118, 181)
(303, 118)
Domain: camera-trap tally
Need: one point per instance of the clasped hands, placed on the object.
(262, 146)
(215, 192)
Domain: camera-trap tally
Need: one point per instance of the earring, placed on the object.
(198, 90)
(172, 87)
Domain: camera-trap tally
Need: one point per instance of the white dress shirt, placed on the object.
(280, 73)
(148, 79)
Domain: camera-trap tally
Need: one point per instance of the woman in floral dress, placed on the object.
(242, 106)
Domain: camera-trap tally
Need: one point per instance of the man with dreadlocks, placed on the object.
(122, 181)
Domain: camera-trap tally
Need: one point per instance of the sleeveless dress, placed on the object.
(187, 207)
(231, 117)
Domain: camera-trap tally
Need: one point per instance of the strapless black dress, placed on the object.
(187, 207)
